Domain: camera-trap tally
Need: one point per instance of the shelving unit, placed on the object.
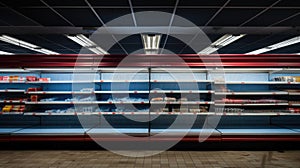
(118, 99)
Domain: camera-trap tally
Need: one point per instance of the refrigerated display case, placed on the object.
(67, 103)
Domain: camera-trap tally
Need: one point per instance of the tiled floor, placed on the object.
(220, 159)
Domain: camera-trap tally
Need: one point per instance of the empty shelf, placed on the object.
(186, 132)
(261, 131)
(50, 131)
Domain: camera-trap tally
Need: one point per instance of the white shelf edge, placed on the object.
(294, 104)
(165, 81)
(12, 101)
(187, 102)
(94, 92)
(90, 102)
(12, 91)
(182, 91)
(251, 93)
(11, 113)
(253, 104)
(256, 82)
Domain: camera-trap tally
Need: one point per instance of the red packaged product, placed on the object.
(34, 98)
(1, 78)
(34, 89)
(6, 78)
(31, 78)
(44, 79)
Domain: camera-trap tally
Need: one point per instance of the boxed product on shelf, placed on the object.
(294, 110)
(15, 99)
(7, 108)
(18, 108)
(180, 110)
(192, 110)
(49, 99)
(44, 79)
(34, 98)
(31, 78)
(197, 109)
(233, 110)
(13, 78)
(170, 99)
(55, 111)
(5, 78)
(35, 89)
(287, 78)
(241, 101)
(87, 90)
(294, 102)
(157, 99)
(183, 99)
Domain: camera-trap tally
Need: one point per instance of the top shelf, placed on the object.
(259, 82)
(156, 81)
(153, 70)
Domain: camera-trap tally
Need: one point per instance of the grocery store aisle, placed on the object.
(224, 159)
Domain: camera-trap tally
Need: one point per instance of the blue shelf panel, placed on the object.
(4, 131)
(116, 131)
(51, 131)
(256, 131)
(187, 132)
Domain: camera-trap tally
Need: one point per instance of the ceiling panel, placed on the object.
(22, 3)
(80, 17)
(44, 16)
(233, 17)
(198, 16)
(145, 21)
(110, 14)
(202, 3)
(289, 3)
(3, 23)
(295, 21)
(109, 2)
(66, 2)
(272, 16)
(14, 19)
(153, 3)
(263, 3)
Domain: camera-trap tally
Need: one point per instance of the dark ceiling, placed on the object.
(36, 21)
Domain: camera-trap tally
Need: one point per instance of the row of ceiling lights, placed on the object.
(150, 42)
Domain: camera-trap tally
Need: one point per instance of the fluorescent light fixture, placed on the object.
(151, 43)
(5, 53)
(221, 42)
(12, 70)
(87, 43)
(277, 45)
(25, 44)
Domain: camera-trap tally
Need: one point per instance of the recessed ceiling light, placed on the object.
(5, 53)
(221, 42)
(25, 44)
(276, 46)
(87, 43)
(151, 43)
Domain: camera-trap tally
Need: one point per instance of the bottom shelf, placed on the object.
(269, 133)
